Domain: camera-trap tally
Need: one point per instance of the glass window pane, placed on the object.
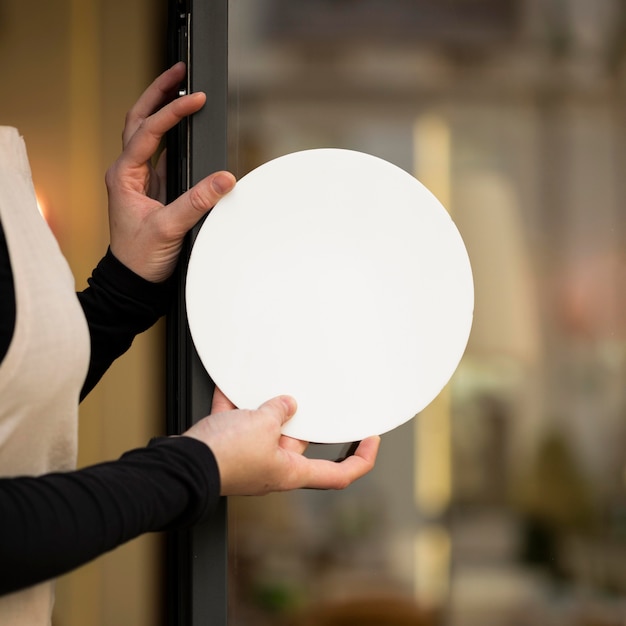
(502, 502)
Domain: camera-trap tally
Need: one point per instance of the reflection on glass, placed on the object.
(504, 503)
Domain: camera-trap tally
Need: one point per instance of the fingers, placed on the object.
(367, 450)
(255, 459)
(282, 407)
(143, 136)
(293, 445)
(161, 175)
(160, 92)
(186, 210)
(322, 474)
(317, 473)
(220, 402)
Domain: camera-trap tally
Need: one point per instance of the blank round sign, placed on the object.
(337, 278)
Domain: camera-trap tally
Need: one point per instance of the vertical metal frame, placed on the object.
(197, 563)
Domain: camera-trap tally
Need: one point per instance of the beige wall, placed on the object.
(70, 69)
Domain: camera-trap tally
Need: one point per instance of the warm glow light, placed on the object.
(42, 207)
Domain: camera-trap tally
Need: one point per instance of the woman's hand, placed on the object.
(147, 235)
(255, 458)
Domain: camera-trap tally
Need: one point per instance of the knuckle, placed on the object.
(343, 483)
(199, 199)
(131, 123)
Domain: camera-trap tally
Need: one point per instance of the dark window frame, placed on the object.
(197, 558)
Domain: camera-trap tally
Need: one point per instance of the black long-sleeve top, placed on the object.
(53, 523)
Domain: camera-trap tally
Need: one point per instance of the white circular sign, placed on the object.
(335, 277)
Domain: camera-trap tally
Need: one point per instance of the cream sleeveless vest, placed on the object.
(46, 363)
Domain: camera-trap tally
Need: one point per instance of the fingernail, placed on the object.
(222, 184)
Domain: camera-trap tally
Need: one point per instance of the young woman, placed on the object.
(56, 344)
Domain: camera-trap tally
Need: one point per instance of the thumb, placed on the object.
(283, 407)
(194, 203)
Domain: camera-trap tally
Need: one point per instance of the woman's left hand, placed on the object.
(146, 234)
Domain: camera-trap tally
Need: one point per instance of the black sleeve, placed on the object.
(7, 299)
(118, 305)
(54, 523)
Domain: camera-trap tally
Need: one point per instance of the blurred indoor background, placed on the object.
(504, 502)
